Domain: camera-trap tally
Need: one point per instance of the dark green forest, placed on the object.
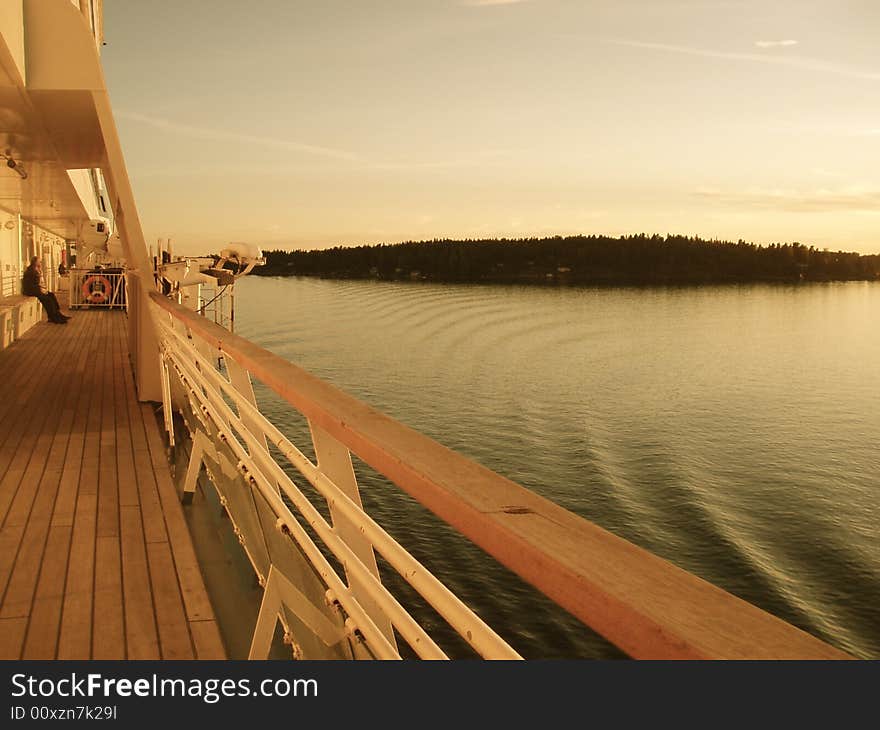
(639, 259)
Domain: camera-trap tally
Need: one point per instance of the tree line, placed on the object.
(636, 259)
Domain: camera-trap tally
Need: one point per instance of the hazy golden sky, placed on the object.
(306, 124)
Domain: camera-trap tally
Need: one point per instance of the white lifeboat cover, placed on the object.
(238, 251)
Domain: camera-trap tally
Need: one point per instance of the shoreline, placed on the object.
(569, 282)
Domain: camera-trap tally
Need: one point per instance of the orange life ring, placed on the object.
(96, 290)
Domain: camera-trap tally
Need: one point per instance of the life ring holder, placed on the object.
(96, 295)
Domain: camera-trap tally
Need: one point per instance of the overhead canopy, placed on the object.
(46, 196)
(55, 115)
(49, 115)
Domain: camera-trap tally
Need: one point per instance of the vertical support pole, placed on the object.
(211, 354)
(334, 461)
(146, 346)
(201, 446)
(280, 592)
(20, 271)
(267, 619)
(192, 470)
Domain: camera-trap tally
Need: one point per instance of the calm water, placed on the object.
(732, 430)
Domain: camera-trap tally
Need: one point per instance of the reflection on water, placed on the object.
(732, 430)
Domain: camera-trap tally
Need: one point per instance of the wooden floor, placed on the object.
(96, 560)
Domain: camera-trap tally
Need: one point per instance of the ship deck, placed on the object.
(96, 559)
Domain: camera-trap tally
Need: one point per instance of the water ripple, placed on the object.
(731, 430)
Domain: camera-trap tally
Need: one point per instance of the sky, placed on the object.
(295, 124)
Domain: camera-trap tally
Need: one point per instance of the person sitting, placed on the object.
(32, 285)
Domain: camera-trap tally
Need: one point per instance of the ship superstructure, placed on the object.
(97, 559)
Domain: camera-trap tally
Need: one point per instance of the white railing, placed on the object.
(320, 574)
(226, 422)
(217, 304)
(97, 288)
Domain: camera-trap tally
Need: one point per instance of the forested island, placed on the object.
(639, 259)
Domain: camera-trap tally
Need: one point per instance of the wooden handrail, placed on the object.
(646, 606)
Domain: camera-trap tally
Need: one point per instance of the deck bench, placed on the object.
(18, 314)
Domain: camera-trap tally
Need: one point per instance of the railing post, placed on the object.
(167, 415)
(201, 445)
(146, 344)
(280, 592)
(334, 461)
(241, 381)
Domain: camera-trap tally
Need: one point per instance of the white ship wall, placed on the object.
(10, 264)
(12, 26)
(12, 30)
(18, 245)
(85, 188)
(49, 248)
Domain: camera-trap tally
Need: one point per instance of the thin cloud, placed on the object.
(793, 201)
(423, 165)
(485, 3)
(775, 44)
(806, 64)
(828, 129)
(220, 135)
(705, 5)
(481, 157)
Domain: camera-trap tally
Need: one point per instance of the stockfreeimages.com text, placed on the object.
(209, 690)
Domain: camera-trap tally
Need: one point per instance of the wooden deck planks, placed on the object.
(75, 637)
(198, 606)
(173, 629)
(206, 636)
(108, 635)
(23, 423)
(45, 622)
(140, 619)
(109, 642)
(35, 495)
(65, 502)
(96, 560)
(11, 637)
(148, 491)
(45, 616)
